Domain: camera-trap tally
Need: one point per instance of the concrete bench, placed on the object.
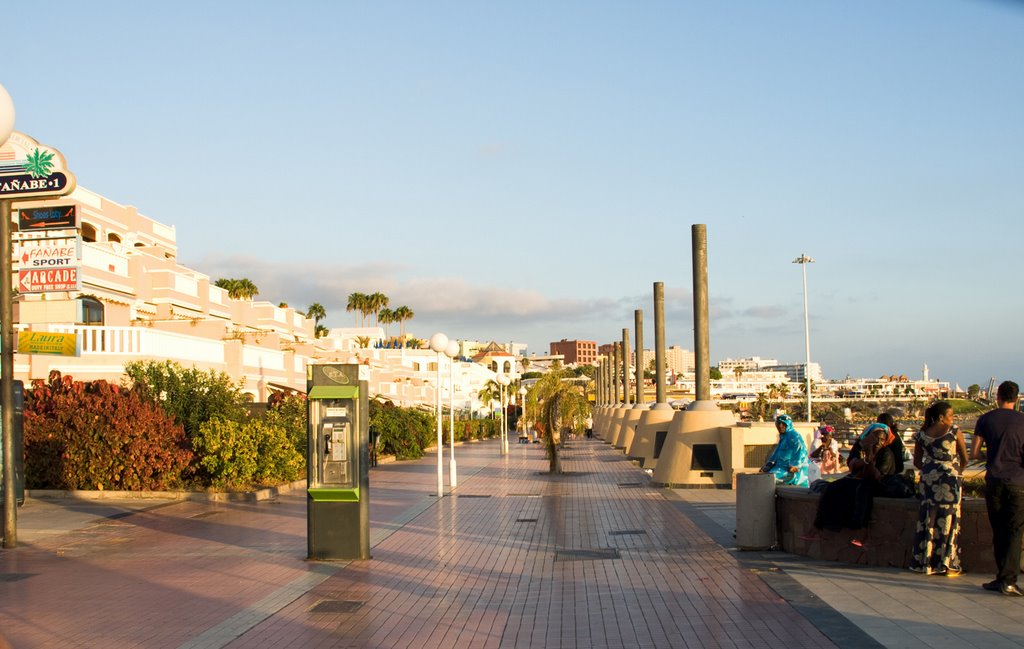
(889, 536)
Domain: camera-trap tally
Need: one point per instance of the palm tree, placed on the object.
(319, 331)
(402, 314)
(385, 317)
(737, 372)
(488, 394)
(374, 303)
(238, 289)
(562, 405)
(316, 312)
(363, 341)
(357, 302)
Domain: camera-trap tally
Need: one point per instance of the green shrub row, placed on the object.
(407, 432)
(178, 428)
(173, 428)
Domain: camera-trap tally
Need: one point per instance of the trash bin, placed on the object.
(755, 511)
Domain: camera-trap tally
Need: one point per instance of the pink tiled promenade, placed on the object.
(515, 558)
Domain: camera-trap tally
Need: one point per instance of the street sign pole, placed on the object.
(7, 377)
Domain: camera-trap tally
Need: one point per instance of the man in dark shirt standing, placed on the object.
(1002, 430)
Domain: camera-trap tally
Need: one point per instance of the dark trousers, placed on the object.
(1005, 505)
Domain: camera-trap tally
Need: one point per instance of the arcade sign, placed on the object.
(43, 280)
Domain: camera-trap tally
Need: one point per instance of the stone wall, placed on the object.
(887, 540)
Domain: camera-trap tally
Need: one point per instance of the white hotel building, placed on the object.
(136, 302)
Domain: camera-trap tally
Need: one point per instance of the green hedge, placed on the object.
(97, 435)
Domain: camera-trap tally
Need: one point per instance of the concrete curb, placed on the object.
(268, 493)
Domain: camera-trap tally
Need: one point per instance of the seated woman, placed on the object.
(825, 451)
(847, 503)
(788, 462)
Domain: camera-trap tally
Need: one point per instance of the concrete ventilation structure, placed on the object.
(654, 422)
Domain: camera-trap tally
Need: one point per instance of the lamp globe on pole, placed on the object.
(452, 352)
(439, 343)
(6, 115)
(503, 380)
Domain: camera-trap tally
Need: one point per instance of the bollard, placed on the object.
(755, 511)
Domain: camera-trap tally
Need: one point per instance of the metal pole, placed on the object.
(638, 323)
(453, 478)
(7, 377)
(807, 340)
(701, 343)
(659, 341)
(440, 439)
(625, 367)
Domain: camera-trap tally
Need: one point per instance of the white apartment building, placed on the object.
(752, 364)
(134, 301)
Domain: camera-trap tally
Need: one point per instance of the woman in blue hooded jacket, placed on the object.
(788, 462)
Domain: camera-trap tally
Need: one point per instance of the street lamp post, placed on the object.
(803, 260)
(453, 353)
(439, 343)
(7, 341)
(503, 380)
(522, 400)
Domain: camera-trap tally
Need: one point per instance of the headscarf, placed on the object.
(887, 435)
(825, 428)
(786, 419)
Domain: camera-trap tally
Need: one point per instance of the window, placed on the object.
(90, 311)
(116, 238)
(88, 233)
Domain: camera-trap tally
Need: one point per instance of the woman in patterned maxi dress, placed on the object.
(937, 447)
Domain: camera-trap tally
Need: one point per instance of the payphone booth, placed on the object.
(338, 462)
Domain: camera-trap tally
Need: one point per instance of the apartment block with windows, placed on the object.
(576, 352)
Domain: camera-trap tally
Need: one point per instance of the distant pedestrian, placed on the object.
(940, 454)
(1002, 431)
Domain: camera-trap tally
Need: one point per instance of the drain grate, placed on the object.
(526, 520)
(586, 555)
(626, 532)
(626, 485)
(526, 495)
(9, 577)
(472, 495)
(336, 606)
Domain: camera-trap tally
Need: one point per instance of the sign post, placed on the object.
(28, 171)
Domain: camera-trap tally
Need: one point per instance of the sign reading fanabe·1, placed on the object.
(31, 170)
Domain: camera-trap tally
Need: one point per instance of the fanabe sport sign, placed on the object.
(31, 170)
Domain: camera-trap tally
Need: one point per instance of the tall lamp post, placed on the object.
(522, 400)
(503, 380)
(7, 341)
(803, 260)
(452, 353)
(439, 343)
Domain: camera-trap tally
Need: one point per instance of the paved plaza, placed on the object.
(514, 558)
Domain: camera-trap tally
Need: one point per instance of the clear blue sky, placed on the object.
(527, 170)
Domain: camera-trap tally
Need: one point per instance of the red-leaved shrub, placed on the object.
(97, 435)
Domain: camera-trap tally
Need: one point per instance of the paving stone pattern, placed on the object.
(526, 566)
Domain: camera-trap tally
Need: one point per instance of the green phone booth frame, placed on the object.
(337, 463)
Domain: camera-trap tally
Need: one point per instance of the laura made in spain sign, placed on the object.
(31, 170)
